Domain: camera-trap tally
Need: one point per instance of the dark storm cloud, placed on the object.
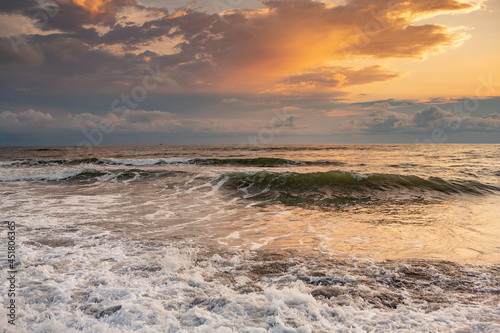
(66, 15)
(17, 6)
(69, 65)
(27, 55)
(72, 15)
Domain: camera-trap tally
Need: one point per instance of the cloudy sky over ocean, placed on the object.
(221, 71)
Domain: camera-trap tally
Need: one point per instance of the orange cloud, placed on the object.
(290, 48)
(254, 50)
(327, 79)
(180, 12)
(98, 11)
(92, 6)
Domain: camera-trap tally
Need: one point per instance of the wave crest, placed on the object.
(340, 188)
(251, 162)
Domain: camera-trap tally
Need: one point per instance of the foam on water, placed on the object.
(143, 162)
(68, 173)
(7, 163)
(39, 175)
(79, 280)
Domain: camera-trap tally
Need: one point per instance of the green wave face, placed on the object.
(339, 188)
(258, 162)
(250, 162)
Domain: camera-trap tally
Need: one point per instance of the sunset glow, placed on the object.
(319, 57)
(93, 6)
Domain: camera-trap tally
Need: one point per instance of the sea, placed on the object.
(278, 238)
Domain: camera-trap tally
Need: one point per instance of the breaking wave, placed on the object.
(256, 162)
(339, 188)
(97, 161)
(43, 175)
(84, 175)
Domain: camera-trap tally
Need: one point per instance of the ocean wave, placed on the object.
(97, 161)
(28, 163)
(340, 188)
(44, 175)
(83, 175)
(255, 162)
(142, 162)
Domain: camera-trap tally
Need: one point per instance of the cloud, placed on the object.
(55, 65)
(380, 121)
(383, 121)
(27, 55)
(136, 121)
(488, 123)
(284, 47)
(29, 119)
(248, 48)
(67, 15)
(432, 116)
(382, 105)
(18, 6)
(328, 79)
(343, 113)
(140, 121)
(230, 100)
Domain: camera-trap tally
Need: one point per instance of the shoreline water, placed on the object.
(124, 244)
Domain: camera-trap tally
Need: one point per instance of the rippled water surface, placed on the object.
(314, 238)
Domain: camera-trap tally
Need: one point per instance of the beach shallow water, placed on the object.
(296, 238)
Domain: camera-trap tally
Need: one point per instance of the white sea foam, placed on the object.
(7, 163)
(101, 284)
(143, 162)
(359, 176)
(37, 174)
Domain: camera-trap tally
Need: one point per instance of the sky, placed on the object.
(91, 72)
